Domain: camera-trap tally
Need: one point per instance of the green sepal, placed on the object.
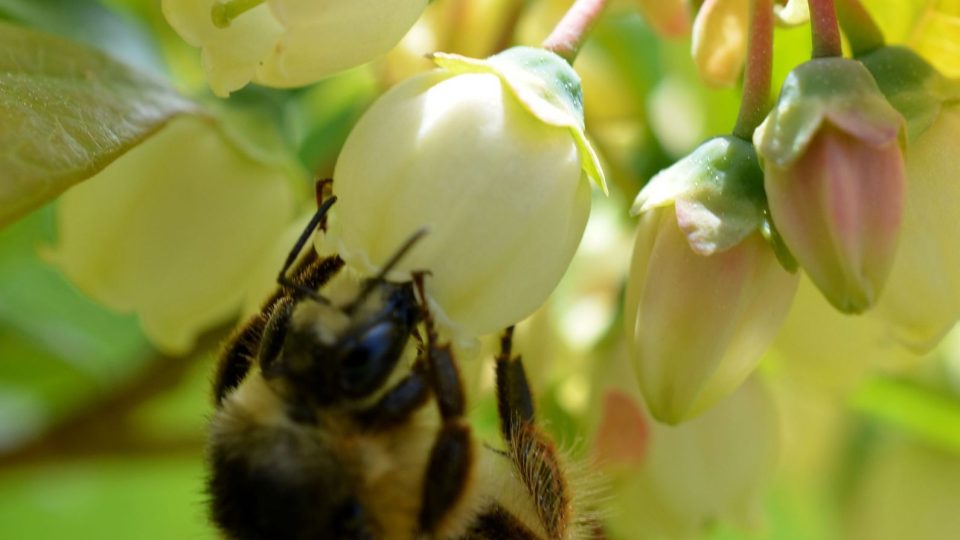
(839, 91)
(914, 87)
(547, 87)
(780, 250)
(717, 191)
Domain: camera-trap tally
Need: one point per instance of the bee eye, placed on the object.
(367, 360)
(351, 522)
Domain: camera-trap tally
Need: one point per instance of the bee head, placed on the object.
(330, 353)
(327, 356)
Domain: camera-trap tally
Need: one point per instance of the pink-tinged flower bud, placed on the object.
(706, 293)
(922, 297)
(834, 177)
(700, 323)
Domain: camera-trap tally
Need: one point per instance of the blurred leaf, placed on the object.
(931, 27)
(932, 416)
(617, 40)
(66, 112)
(905, 491)
(321, 117)
(60, 350)
(125, 498)
(182, 412)
(88, 21)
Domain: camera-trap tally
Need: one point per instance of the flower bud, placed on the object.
(706, 293)
(284, 43)
(922, 297)
(669, 18)
(719, 43)
(793, 13)
(490, 156)
(171, 229)
(834, 177)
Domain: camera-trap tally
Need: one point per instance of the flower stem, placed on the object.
(826, 33)
(859, 26)
(756, 79)
(225, 11)
(570, 33)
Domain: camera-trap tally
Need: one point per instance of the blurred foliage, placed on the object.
(101, 435)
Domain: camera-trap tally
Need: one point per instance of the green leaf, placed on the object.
(928, 27)
(66, 112)
(106, 497)
(118, 34)
(930, 415)
(60, 351)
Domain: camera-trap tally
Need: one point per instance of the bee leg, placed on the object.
(451, 458)
(242, 347)
(399, 403)
(534, 456)
(316, 221)
(238, 355)
(514, 399)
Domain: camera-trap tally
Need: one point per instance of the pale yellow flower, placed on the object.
(492, 160)
(286, 43)
(171, 230)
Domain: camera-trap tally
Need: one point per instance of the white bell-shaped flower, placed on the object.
(490, 157)
(286, 43)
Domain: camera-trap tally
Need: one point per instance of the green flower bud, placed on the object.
(490, 156)
(286, 43)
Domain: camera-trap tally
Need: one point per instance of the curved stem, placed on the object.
(570, 33)
(826, 33)
(860, 28)
(225, 11)
(756, 79)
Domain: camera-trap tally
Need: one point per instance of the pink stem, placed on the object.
(756, 79)
(572, 30)
(826, 33)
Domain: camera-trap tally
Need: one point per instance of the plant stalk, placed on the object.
(756, 79)
(570, 33)
(861, 30)
(826, 33)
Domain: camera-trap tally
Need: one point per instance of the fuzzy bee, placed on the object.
(341, 415)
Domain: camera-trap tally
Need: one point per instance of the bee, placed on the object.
(340, 414)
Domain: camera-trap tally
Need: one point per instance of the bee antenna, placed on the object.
(311, 227)
(394, 260)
